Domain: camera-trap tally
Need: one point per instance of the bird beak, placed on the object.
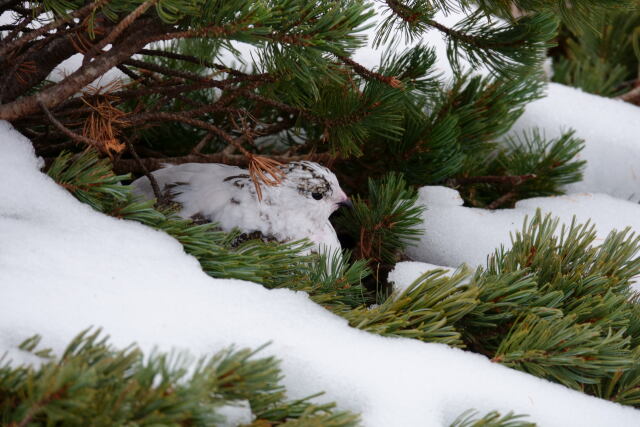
(346, 203)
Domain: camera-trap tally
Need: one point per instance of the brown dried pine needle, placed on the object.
(102, 123)
(265, 170)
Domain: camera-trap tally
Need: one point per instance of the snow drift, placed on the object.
(610, 129)
(455, 234)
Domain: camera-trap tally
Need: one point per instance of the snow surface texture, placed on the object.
(455, 234)
(610, 129)
(65, 267)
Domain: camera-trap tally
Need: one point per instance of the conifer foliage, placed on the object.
(555, 305)
(188, 94)
(559, 307)
(94, 383)
(602, 58)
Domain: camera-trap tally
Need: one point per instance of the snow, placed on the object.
(406, 272)
(65, 267)
(74, 62)
(455, 234)
(610, 129)
(238, 413)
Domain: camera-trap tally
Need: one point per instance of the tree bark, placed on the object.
(44, 61)
(52, 96)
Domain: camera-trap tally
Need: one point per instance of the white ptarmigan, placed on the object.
(297, 208)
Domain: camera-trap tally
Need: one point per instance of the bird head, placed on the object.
(311, 187)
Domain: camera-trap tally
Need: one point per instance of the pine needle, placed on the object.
(266, 171)
(102, 123)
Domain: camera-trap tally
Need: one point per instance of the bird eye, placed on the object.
(316, 196)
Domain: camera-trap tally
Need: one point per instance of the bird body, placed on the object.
(297, 208)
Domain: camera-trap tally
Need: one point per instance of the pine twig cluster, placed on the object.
(524, 166)
(94, 382)
(602, 58)
(492, 419)
(559, 307)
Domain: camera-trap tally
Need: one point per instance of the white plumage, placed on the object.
(297, 208)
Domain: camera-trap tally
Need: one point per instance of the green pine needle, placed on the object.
(92, 382)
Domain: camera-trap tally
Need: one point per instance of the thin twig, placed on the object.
(80, 13)
(21, 26)
(501, 200)
(193, 60)
(191, 121)
(228, 150)
(492, 179)
(371, 75)
(38, 406)
(150, 177)
(61, 91)
(202, 143)
(633, 96)
(62, 128)
(404, 12)
(128, 72)
(122, 25)
(210, 31)
(166, 70)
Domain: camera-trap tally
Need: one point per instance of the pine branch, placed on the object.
(558, 307)
(470, 418)
(59, 92)
(561, 350)
(499, 179)
(368, 74)
(15, 44)
(426, 311)
(522, 167)
(386, 222)
(80, 386)
(117, 30)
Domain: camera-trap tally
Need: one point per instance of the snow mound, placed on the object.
(610, 128)
(65, 267)
(455, 234)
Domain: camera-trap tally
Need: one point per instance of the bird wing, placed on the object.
(226, 195)
(201, 188)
